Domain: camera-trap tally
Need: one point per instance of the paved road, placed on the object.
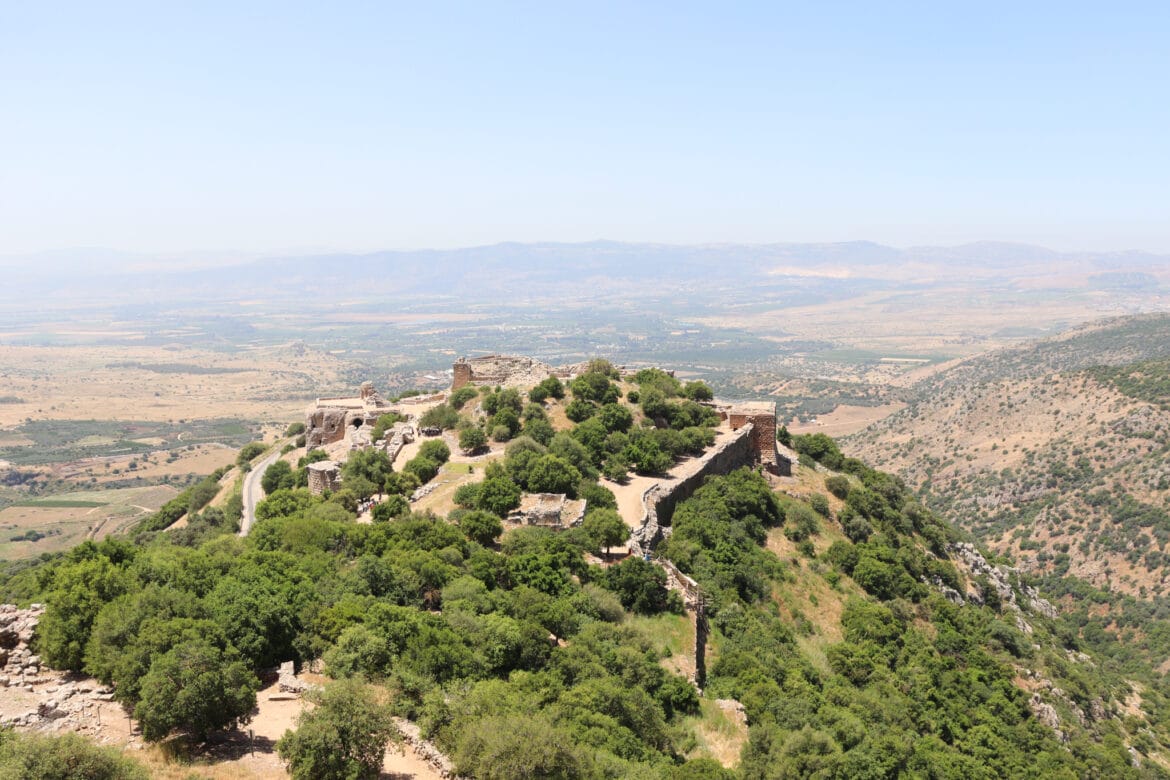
(253, 494)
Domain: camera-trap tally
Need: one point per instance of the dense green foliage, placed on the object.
(519, 659)
(197, 688)
(65, 757)
(180, 632)
(342, 738)
(918, 685)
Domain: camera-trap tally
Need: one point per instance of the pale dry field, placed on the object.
(204, 459)
(94, 382)
(67, 526)
(951, 320)
(846, 419)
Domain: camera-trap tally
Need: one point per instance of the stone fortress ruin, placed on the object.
(747, 438)
(334, 419)
(504, 370)
(329, 419)
(761, 415)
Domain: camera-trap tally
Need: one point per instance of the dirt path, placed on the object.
(629, 495)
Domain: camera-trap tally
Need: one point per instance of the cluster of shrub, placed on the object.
(469, 635)
(671, 420)
(916, 685)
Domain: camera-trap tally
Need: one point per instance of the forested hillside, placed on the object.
(1055, 454)
(852, 634)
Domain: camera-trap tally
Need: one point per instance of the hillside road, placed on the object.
(253, 494)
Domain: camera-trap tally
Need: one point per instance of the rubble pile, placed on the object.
(39, 699)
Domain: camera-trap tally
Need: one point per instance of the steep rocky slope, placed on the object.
(1055, 454)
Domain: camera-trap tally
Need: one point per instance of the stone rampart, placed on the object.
(324, 476)
(660, 500)
(507, 370)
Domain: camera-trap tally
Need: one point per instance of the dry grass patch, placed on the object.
(721, 733)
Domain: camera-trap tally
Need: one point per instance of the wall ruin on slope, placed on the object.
(506, 370)
(660, 500)
(761, 415)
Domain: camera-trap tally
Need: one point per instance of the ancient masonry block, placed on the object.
(508, 370)
(552, 510)
(761, 415)
(329, 419)
(324, 475)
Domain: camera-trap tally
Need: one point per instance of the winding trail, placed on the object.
(252, 493)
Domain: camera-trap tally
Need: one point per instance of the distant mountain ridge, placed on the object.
(497, 266)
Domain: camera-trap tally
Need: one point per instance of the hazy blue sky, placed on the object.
(351, 126)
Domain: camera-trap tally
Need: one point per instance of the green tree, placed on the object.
(422, 467)
(498, 494)
(580, 410)
(401, 483)
(394, 506)
(517, 746)
(594, 386)
(552, 474)
(659, 380)
(461, 396)
(549, 388)
(64, 757)
(697, 391)
(820, 448)
(616, 468)
(838, 485)
(472, 439)
(441, 416)
(79, 591)
(358, 651)
(605, 528)
(278, 476)
(435, 449)
(249, 452)
(342, 738)
(640, 585)
(480, 526)
(370, 464)
(615, 417)
(539, 429)
(197, 688)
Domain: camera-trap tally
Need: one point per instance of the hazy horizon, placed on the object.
(277, 129)
(174, 260)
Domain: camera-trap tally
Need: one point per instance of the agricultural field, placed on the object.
(46, 525)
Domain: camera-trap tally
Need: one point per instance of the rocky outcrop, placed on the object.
(19, 667)
(35, 698)
(1006, 583)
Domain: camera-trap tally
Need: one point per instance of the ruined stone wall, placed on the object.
(507, 370)
(763, 438)
(461, 374)
(324, 426)
(660, 500)
(324, 476)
